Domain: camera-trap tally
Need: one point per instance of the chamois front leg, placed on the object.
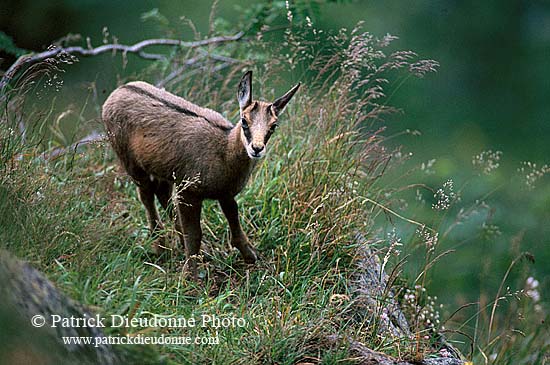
(147, 196)
(238, 237)
(189, 226)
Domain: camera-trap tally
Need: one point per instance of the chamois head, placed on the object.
(258, 118)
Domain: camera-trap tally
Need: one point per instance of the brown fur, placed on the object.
(162, 140)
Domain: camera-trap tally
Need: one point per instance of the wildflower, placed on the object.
(430, 240)
(426, 167)
(532, 282)
(444, 353)
(425, 316)
(531, 285)
(487, 161)
(445, 196)
(533, 173)
(289, 15)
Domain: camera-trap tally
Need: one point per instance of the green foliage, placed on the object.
(154, 15)
(7, 45)
(261, 16)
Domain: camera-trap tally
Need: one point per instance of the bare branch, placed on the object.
(93, 137)
(199, 62)
(138, 48)
(219, 57)
(179, 70)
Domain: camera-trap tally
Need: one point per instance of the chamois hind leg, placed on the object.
(238, 237)
(189, 225)
(146, 190)
(163, 191)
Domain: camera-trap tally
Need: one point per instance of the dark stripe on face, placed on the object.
(269, 133)
(163, 101)
(246, 130)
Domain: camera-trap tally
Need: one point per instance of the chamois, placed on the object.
(163, 140)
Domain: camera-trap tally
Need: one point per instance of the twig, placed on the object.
(33, 58)
(178, 71)
(388, 210)
(219, 57)
(176, 75)
(181, 76)
(498, 297)
(93, 137)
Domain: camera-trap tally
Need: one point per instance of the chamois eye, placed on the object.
(244, 123)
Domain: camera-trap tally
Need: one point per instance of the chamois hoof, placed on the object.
(190, 270)
(250, 256)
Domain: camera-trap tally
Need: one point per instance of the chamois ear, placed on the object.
(244, 93)
(279, 104)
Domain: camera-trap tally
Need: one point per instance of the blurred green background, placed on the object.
(492, 92)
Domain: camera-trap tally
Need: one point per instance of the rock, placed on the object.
(373, 295)
(26, 293)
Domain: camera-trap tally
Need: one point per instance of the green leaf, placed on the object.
(7, 45)
(154, 15)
